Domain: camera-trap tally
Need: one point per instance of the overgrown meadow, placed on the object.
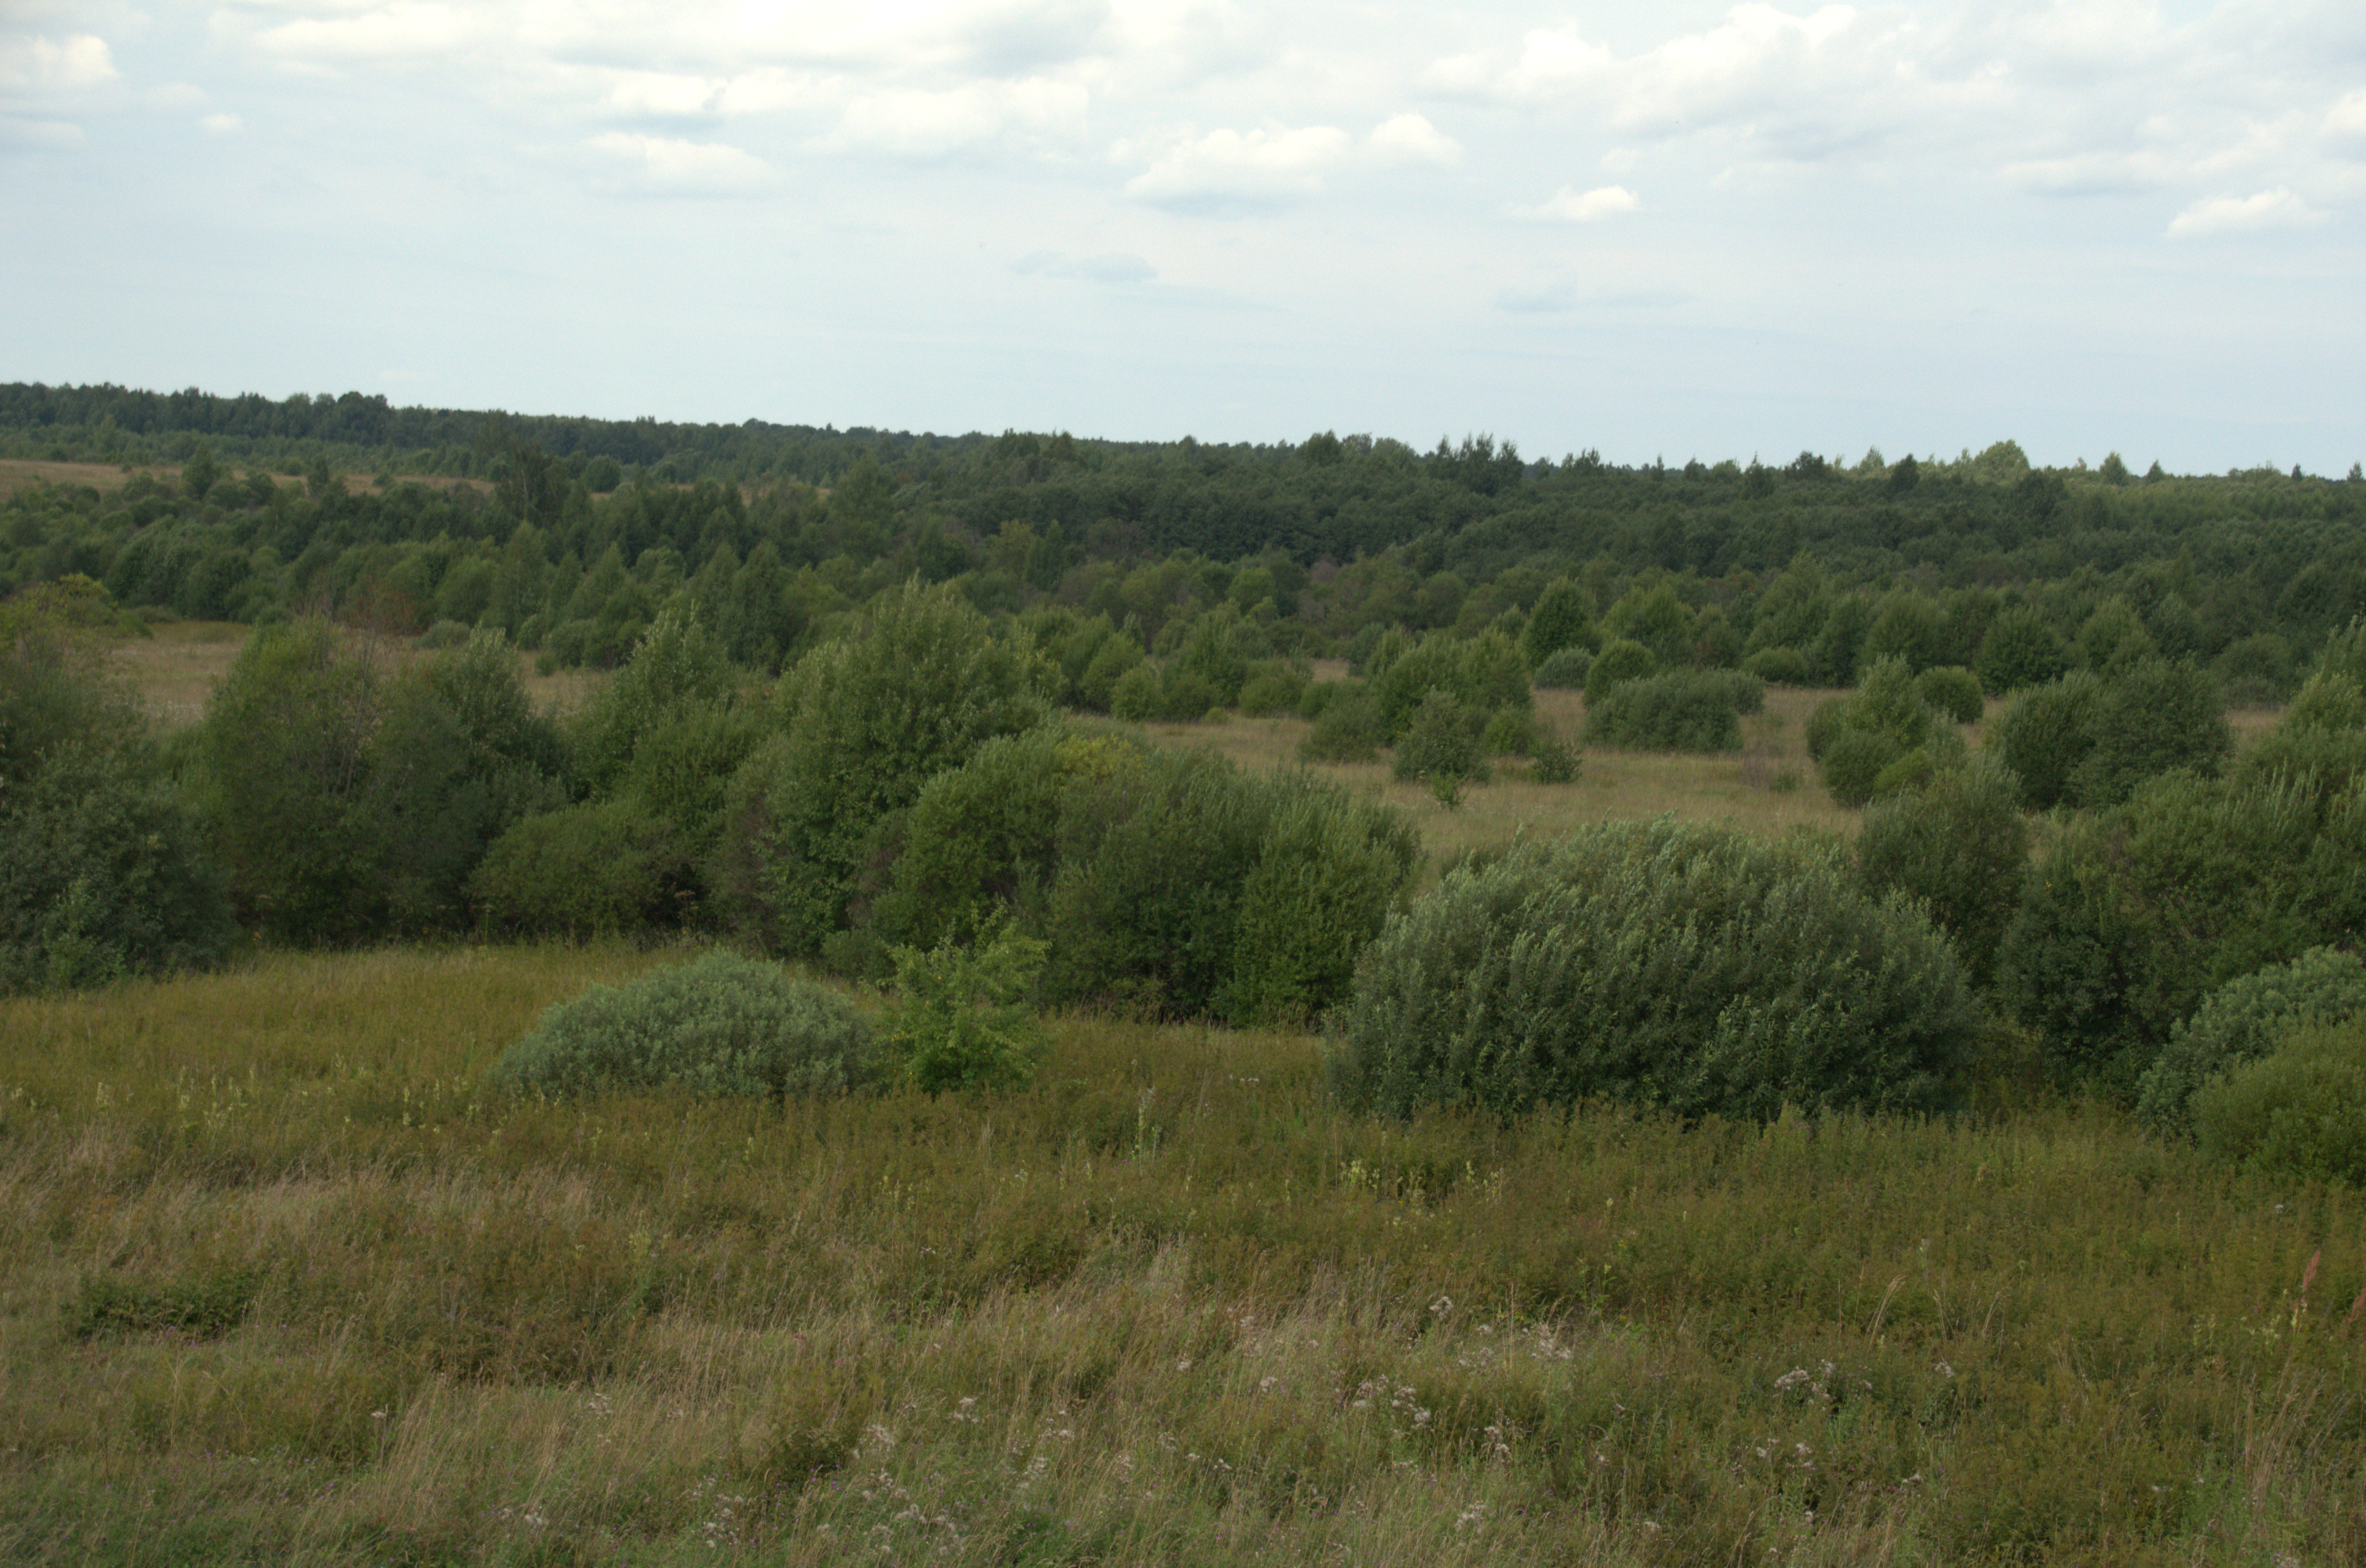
(289, 1285)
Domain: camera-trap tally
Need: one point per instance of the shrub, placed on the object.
(724, 1025)
(1958, 845)
(1556, 764)
(1442, 743)
(1620, 661)
(916, 687)
(1685, 967)
(1347, 730)
(2243, 1021)
(1509, 733)
(1330, 868)
(1680, 710)
(604, 869)
(2257, 671)
(959, 1019)
(2022, 649)
(444, 634)
(101, 870)
(1561, 623)
(1856, 737)
(1563, 671)
(1273, 687)
(2045, 735)
(1113, 659)
(2152, 717)
(676, 663)
(1780, 667)
(2300, 1111)
(1952, 691)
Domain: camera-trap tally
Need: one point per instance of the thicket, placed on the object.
(2245, 1020)
(1684, 968)
(1679, 711)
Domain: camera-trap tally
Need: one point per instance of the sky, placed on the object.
(1661, 231)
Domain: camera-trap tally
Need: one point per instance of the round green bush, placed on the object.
(1623, 659)
(1854, 762)
(2046, 737)
(2300, 1111)
(2243, 1021)
(724, 1025)
(1685, 967)
(1953, 691)
(1679, 711)
(1959, 845)
(1780, 667)
(1349, 727)
(1565, 670)
(1442, 743)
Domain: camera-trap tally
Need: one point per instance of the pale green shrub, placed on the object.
(2243, 1021)
(2300, 1111)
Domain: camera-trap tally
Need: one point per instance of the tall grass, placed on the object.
(286, 1284)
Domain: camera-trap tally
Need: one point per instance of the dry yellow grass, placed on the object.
(177, 667)
(1746, 788)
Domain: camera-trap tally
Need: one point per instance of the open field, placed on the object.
(287, 1285)
(176, 667)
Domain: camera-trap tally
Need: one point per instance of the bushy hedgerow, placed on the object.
(1685, 967)
(1958, 844)
(600, 868)
(2300, 1111)
(724, 1025)
(1563, 670)
(2243, 1021)
(1678, 710)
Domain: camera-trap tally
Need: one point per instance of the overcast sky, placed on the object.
(1667, 229)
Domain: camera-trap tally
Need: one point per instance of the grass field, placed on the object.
(287, 1285)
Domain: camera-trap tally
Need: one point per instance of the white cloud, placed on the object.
(222, 124)
(398, 32)
(1569, 206)
(43, 65)
(40, 135)
(1411, 139)
(2278, 208)
(672, 166)
(2345, 123)
(1228, 170)
(661, 93)
(916, 123)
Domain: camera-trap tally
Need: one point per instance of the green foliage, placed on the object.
(1855, 738)
(1556, 762)
(1348, 729)
(1562, 670)
(1272, 688)
(724, 1025)
(1683, 967)
(1561, 623)
(2300, 1111)
(678, 664)
(600, 868)
(1510, 731)
(1330, 867)
(2134, 914)
(2257, 671)
(959, 1019)
(1441, 742)
(101, 872)
(1679, 711)
(1621, 660)
(2245, 1020)
(915, 689)
(2045, 735)
(1959, 846)
(1779, 667)
(1952, 691)
(2111, 635)
(2151, 717)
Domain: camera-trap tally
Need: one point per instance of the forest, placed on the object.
(1020, 893)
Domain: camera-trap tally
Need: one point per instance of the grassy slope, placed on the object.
(286, 1286)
